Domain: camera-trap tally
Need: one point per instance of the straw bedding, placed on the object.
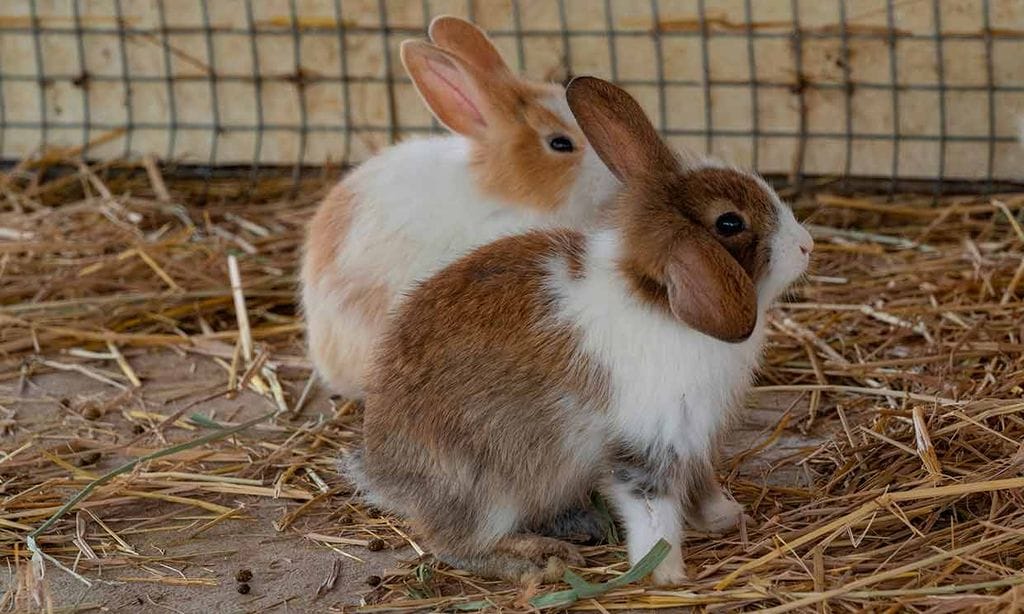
(900, 360)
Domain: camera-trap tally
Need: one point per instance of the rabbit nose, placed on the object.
(807, 248)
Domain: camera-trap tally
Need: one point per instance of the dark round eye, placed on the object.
(729, 224)
(561, 144)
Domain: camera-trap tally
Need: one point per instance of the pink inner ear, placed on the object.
(453, 80)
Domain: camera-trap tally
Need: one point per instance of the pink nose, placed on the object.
(806, 248)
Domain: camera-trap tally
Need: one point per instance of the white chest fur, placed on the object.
(670, 385)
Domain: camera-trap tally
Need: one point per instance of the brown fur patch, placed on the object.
(673, 252)
(576, 258)
(505, 117)
(467, 41)
(523, 558)
(655, 214)
(472, 376)
(514, 162)
(326, 230)
(538, 548)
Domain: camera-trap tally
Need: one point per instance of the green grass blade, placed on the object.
(581, 589)
(201, 420)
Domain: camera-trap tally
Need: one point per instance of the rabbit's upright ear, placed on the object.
(467, 41)
(451, 89)
(619, 130)
(707, 289)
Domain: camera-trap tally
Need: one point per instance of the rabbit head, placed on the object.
(526, 146)
(713, 243)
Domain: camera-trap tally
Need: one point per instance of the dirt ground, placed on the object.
(197, 573)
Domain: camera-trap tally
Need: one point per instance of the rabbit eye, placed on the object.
(561, 144)
(729, 224)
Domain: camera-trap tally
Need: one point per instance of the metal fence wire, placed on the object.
(891, 90)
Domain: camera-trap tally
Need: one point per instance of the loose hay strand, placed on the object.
(245, 332)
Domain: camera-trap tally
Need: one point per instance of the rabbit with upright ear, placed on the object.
(543, 365)
(517, 160)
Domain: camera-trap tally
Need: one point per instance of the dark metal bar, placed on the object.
(844, 50)
(214, 102)
(800, 88)
(890, 23)
(990, 85)
(659, 66)
(126, 79)
(613, 55)
(314, 30)
(517, 31)
(727, 132)
(83, 80)
(563, 22)
(346, 97)
(427, 16)
(815, 183)
(40, 76)
(318, 78)
(940, 67)
(389, 79)
(257, 145)
(172, 124)
(3, 106)
(706, 70)
(300, 91)
(755, 111)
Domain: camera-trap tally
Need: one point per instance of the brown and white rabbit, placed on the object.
(543, 365)
(517, 161)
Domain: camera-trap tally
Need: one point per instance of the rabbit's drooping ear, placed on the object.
(708, 290)
(467, 41)
(448, 86)
(618, 129)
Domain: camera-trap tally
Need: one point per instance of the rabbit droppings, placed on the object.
(541, 366)
(517, 161)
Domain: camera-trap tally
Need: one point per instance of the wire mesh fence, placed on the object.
(891, 90)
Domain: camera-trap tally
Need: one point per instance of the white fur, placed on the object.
(647, 521)
(667, 380)
(417, 209)
(718, 512)
(791, 247)
(672, 387)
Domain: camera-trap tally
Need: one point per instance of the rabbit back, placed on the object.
(474, 388)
